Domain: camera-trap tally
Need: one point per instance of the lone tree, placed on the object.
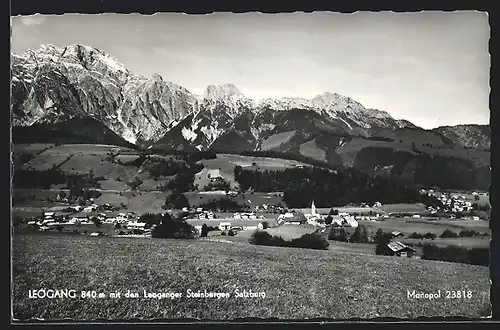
(204, 230)
(97, 222)
(328, 220)
(381, 248)
(378, 235)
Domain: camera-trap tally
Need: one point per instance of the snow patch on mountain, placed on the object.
(189, 134)
(211, 133)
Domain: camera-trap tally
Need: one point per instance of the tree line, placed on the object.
(328, 188)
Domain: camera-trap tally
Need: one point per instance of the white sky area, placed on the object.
(431, 68)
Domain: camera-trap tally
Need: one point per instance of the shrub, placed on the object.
(448, 234)
(468, 233)
(97, 222)
(118, 226)
(265, 225)
(430, 236)
(260, 237)
(306, 241)
(310, 241)
(231, 233)
(416, 235)
(223, 233)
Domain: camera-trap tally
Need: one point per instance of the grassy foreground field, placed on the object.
(298, 283)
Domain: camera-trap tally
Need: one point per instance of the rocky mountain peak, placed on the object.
(222, 92)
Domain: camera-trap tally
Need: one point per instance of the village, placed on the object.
(106, 220)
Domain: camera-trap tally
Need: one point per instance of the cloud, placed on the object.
(33, 20)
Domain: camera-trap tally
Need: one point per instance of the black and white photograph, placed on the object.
(230, 166)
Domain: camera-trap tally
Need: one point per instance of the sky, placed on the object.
(431, 68)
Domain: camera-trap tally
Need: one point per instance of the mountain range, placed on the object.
(56, 91)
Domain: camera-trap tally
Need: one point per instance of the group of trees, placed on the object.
(176, 200)
(218, 185)
(453, 253)
(327, 187)
(360, 235)
(79, 185)
(173, 227)
(42, 179)
(306, 241)
(464, 233)
(224, 205)
(423, 236)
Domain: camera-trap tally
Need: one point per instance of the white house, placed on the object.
(224, 226)
(88, 209)
(136, 225)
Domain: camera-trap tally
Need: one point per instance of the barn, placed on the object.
(399, 249)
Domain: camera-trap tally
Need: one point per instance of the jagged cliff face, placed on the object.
(55, 84)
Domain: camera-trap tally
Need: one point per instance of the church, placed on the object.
(314, 218)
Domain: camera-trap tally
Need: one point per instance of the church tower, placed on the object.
(313, 209)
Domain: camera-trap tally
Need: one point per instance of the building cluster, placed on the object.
(128, 220)
(319, 220)
(451, 203)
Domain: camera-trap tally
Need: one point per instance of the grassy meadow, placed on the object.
(298, 283)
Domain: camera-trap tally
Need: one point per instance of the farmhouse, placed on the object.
(48, 215)
(398, 249)
(136, 225)
(214, 175)
(224, 226)
(292, 219)
(397, 234)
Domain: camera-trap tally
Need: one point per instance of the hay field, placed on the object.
(298, 283)
(276, 140)
(310, 149)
